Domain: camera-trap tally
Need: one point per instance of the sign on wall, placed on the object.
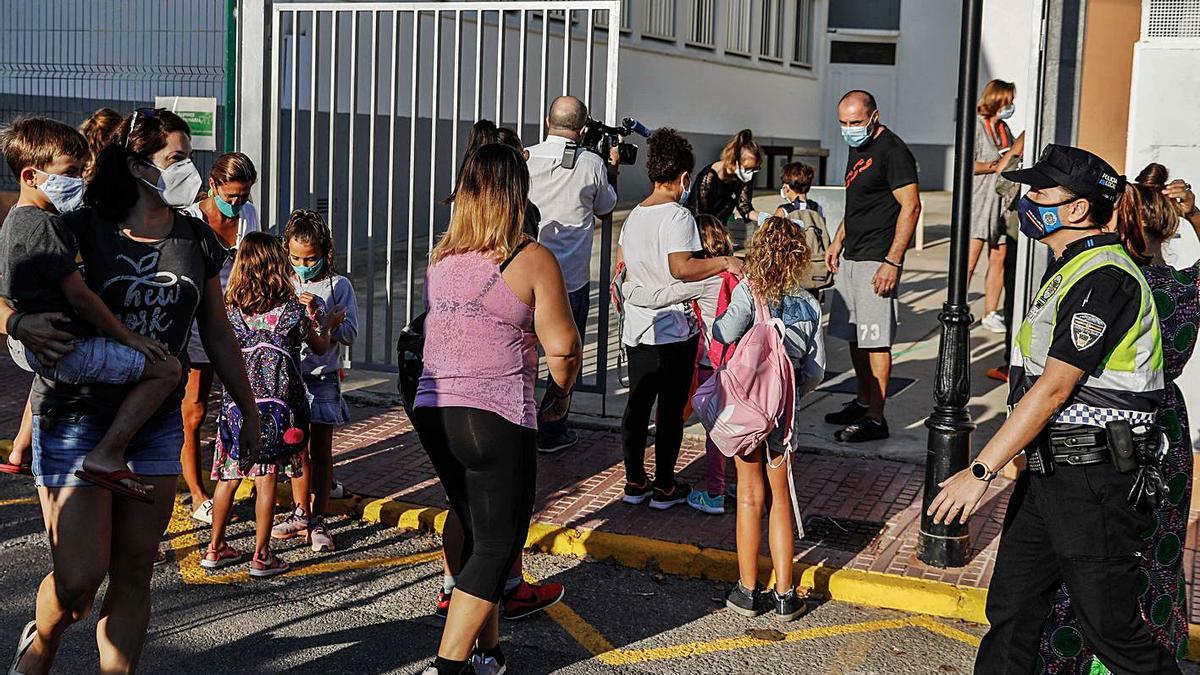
(199, 112)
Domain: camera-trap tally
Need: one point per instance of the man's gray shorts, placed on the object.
(858, 314)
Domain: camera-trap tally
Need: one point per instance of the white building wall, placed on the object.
(1166, 77)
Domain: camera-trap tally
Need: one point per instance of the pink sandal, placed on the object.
(267, 567)
(216, 559)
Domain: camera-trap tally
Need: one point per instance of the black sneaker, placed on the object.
(665, 499)
(865, 429)
(852, 412)
(635, 493)
(787, 606)
(748, 603)
(554, 442)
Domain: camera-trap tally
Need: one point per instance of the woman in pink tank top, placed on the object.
(487, 287)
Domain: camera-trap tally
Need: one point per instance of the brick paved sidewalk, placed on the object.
(859, 514)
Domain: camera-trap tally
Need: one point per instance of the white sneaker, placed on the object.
(486, 665)
(994, 322)
(203, 513)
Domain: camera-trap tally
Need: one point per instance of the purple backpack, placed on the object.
(272, 358)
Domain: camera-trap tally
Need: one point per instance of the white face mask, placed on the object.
(744, 175)
(783, 195)
(178, 184)
(64, 192)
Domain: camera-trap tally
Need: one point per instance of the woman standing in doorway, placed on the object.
(993, 144)
(229, 214)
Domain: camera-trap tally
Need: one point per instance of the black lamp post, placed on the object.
(950, 424)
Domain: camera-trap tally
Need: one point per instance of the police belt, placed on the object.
(1080, 448)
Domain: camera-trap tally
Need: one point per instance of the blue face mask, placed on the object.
(309, 272)
(687, 191)
(1006, 112)
(228, 210)
(64, 192)
(856, 136)
(1039, 220)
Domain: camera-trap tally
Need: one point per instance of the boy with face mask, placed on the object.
(39, 273)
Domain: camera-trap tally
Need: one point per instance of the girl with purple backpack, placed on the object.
(271, 324)
(775, 267)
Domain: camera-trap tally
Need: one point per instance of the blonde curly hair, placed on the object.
(777, 259)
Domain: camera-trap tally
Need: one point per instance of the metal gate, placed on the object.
(368, 104)
(65, 58)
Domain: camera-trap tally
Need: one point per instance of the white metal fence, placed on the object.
(65, 58)
(366, 109)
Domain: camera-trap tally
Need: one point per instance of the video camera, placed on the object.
(600, 138)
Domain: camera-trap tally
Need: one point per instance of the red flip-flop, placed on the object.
(16, 469)
(112, 481)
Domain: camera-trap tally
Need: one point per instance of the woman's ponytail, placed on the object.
(1128, 216)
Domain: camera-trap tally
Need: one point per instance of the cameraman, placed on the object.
(570, 199)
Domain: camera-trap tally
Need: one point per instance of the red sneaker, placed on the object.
(443, 604)
(528, 599)
(999, 373)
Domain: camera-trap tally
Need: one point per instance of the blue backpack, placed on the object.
(272, 360)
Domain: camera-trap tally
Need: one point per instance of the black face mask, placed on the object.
(1038, 220)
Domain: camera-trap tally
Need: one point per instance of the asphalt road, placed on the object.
(368, 609)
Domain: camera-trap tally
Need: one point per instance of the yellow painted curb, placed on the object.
(874, 589)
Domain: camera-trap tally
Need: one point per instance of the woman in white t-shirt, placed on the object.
(228, 211)
(658, 244)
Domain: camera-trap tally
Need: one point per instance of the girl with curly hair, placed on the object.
(774, 270)
(267, 319)
(660, 247)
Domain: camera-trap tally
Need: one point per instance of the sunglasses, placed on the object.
(140, 112)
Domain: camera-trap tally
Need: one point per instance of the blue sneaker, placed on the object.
(700, 501)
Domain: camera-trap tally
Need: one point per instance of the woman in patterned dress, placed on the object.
(1163, 598)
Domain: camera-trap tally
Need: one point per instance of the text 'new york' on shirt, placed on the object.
(153, 287)
(873, 171)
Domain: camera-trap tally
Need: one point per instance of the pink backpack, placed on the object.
(753, 393)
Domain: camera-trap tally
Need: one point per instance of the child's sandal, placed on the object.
(267, 567)
(215, 559)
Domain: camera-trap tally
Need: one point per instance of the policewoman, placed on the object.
(1086, 379)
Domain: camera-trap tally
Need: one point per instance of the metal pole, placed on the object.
(950, 424)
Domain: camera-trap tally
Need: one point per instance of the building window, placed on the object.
(659, 20)
(601, 16)
(803, 47)
(772, 30)
(702, 31)
(869, 53)
(865, 14)
(738, 28)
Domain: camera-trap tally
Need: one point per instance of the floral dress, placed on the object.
(291, 319)
(1163, 593)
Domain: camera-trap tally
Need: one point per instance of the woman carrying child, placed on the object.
(310, 251)
(270, 324)
(774, 270)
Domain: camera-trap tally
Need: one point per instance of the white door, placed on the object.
(839, 79)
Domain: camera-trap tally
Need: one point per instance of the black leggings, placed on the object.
(663, 372)
(488, 467)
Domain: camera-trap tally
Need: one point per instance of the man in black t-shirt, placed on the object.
(882, 206)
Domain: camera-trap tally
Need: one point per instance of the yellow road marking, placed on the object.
(18, 500)
(186, 545)
(625, 657)
(934, 626)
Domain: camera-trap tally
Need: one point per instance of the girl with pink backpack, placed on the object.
(770, 293)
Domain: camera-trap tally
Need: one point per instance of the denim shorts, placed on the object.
(92, 361)
(58, 451)
(328, 406)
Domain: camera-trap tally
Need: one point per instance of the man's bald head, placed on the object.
(567, 114)
(856, 107)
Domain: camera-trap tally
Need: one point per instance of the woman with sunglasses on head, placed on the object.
(228, 212)
(157, 270)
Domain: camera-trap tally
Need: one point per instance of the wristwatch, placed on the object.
(982, 471)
